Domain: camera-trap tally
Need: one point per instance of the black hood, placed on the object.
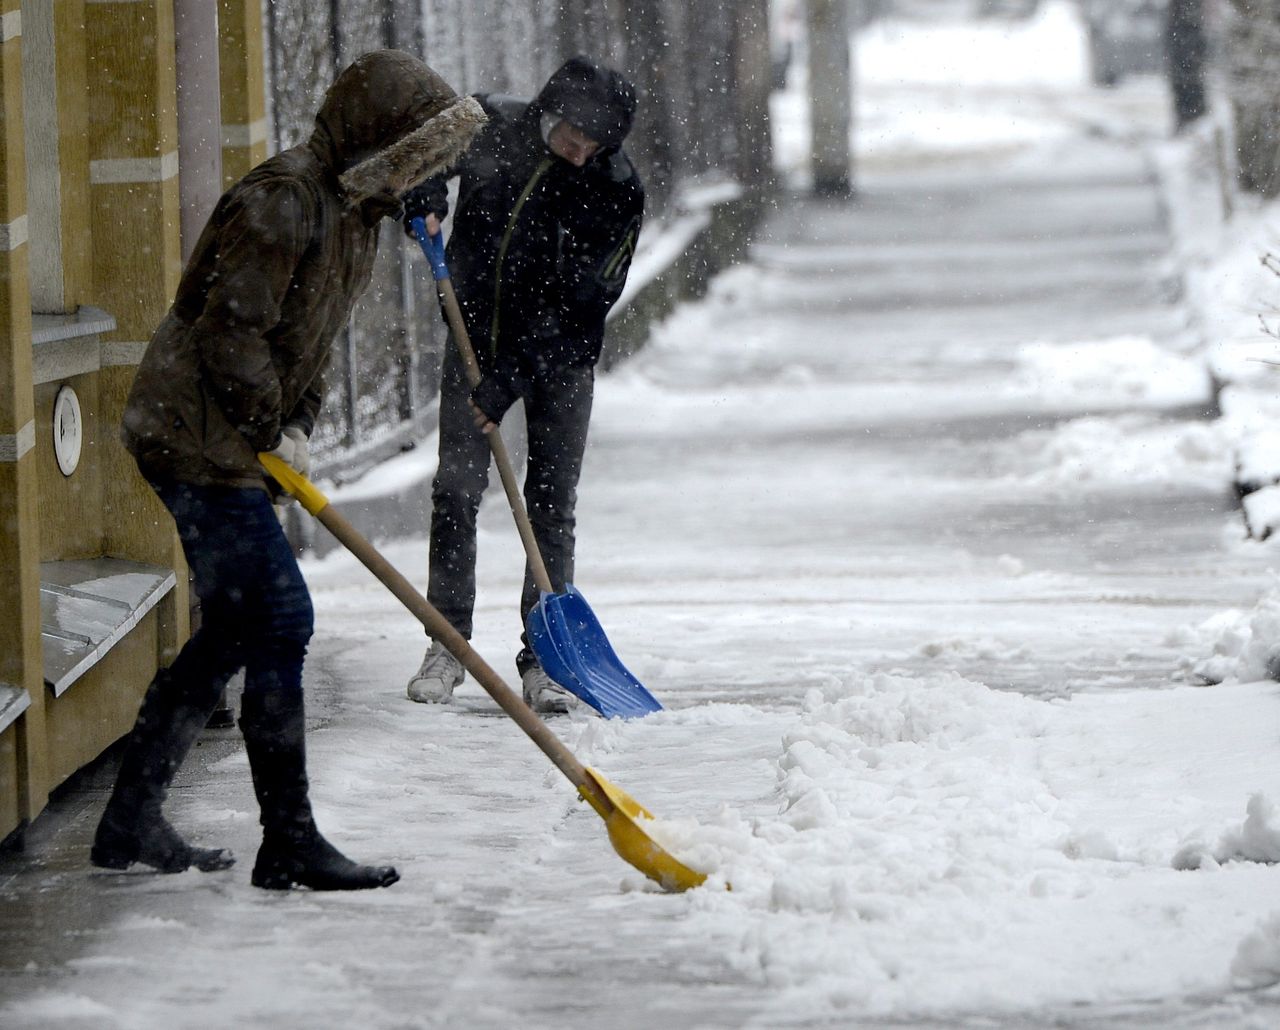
(595, 99)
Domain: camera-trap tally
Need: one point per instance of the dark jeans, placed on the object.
(256, 612)
(557, 411)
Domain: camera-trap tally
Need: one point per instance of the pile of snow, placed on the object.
(1257, 840)
(1122, 370)
(1122, 449)
(1257, 963)
(1242, 646)
(914, 813)
(1257, 960)
(1226, 242)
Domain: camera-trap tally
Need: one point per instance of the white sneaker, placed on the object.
(543, 694)
(435, 679)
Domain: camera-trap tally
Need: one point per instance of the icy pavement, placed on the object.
(914, 527)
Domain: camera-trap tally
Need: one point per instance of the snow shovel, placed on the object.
(621, 813)
(563, 630)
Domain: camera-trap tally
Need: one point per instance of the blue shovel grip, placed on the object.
(432, 247)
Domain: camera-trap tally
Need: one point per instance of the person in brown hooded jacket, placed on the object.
(235, 368)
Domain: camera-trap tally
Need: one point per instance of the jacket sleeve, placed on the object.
(307, 410)
(598, 243)
(499, 386)
(429, 197)
(264, 233)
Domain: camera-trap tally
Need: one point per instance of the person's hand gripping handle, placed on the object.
(431, 239)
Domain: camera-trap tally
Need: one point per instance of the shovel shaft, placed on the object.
(453, 314)
(440, 629)
(617, 808)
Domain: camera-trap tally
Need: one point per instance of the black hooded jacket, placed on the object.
(539, 250)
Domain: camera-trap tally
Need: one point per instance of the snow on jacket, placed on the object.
(539, 250)
(277, 269)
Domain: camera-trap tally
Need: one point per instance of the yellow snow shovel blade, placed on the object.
(633, 844)
(620, 812)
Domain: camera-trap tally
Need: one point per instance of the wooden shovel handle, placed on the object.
(453, 313)
(439, 627)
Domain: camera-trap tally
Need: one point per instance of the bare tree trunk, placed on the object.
(753, 77)
(654, 116)
(1185, 52)
(1253, 72)
(830, 97)
(711, 106)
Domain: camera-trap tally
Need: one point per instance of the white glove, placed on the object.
(300, 457)
(284, 449)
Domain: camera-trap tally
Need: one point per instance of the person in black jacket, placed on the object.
(548, 213)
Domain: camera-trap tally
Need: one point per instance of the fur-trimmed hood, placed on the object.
(412, 158)
(388, 122)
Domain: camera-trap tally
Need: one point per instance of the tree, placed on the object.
(830, 97)
(1252, 52)
(1185, 50)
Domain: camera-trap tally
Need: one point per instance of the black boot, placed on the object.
(132, 828)
(139, 833)
(293, 850)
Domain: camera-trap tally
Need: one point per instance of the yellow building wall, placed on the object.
(133, 196)
(101, 705)
(11, 812)
(72, 55)
(20, 654)
(70, 506)
(117, 153)
(242, 73)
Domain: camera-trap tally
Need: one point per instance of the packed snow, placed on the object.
(893, 827)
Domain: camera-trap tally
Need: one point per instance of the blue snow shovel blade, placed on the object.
(573, 650)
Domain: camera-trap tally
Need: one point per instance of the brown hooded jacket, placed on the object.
(277, 269)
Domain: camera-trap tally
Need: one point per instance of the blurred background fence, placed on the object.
(702, 68)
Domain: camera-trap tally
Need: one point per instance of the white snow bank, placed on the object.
(391, 477)
(912, 813)
(1262, 512)
(1242, 646)
(1124, 449)
(1257, 962)
(1123, 369)
(59, 1008)
(1257, 840)
(1258, 435)
(1226, 243)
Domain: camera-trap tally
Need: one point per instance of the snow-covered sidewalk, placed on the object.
(916, 529)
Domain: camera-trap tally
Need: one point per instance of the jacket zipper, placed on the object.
(538, 173)
(626, 249)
